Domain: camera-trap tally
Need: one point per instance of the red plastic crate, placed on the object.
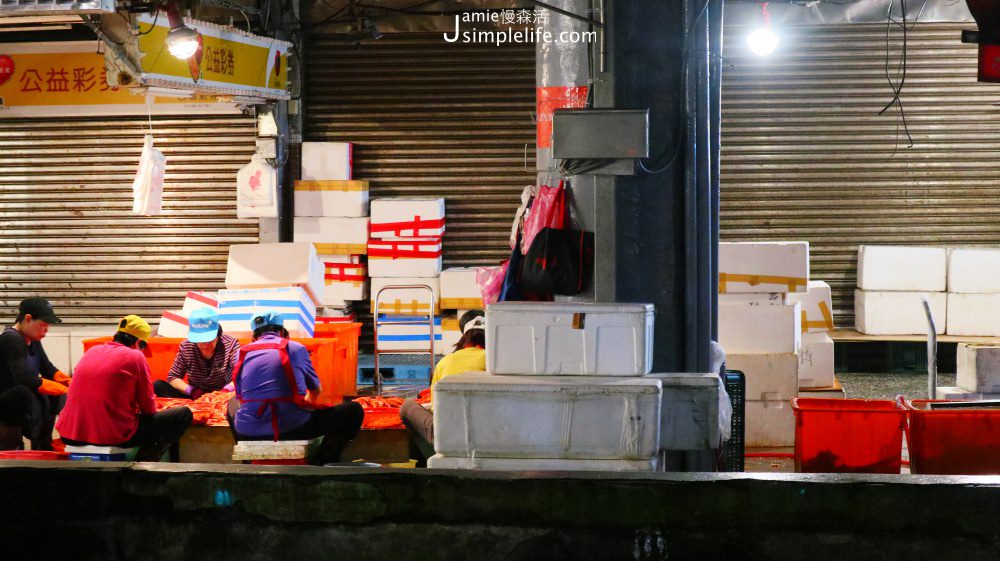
(848, 435)
(32, 455)
(953, 441)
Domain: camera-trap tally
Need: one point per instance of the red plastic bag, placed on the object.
(490, 281)
(548, 210)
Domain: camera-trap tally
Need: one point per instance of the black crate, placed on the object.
(732, 453)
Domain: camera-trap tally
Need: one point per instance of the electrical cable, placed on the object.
(901, 72)
(151, 27)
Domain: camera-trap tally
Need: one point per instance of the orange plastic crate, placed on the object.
(848, 435)
(953, 441)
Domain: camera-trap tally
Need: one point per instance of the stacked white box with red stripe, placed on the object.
(174, 323)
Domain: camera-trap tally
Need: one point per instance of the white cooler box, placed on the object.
(973, 315)
(57, 348)
(414, 257)
(407, 217)
(754, 299)
(978, 368)
(898, 313)
(345, 279)
(407, 301)
(482, 415)
(962, 394)
(197, 299)
(902, 268)
(413, 335)
(327, 160)
(763, 267)
(582, 339)
(333, 235)
(276, 265)
(331, 198)
(769, 423)
(695, 411)
(237, 308)
(173, 324)
(459, 290)
(771, 377)
(437, 461)
(817, 307)
(816, 361)
(760, 329)
(974, 270)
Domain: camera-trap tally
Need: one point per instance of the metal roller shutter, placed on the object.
(431, 118)
(805, 155)
(68, 232)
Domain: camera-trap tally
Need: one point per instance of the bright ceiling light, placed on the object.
(762, 41)
(182, 41)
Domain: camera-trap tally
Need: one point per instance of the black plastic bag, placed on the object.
(558, 262)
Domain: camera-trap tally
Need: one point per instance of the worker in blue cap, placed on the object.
(276, 390)
(204, 363)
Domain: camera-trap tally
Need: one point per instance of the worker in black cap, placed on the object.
(32, 390)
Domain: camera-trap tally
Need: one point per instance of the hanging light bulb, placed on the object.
(182, 41)
(763, 41)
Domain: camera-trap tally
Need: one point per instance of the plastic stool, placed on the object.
(271, 453)
(101, 453)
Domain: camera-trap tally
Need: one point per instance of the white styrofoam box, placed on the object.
(450, 335)
(958, 393)
(406, 300)
(57, 347)
(194, 300)
(333, 235)
(769, 423)
(78, 336)
(331, 198)
(973, 314)
(583, 339)
(760, 329)
(268, 230)
(407, 217)
(769, 377)
(459, 289)
(237, 307)
(816, 361)
(690, 410)
(269, 265)
(834, 391)
(763, 266)
(974, 270)
(413, 257)
(437, 461)
(817, 307)
(407, 333)
(978, 368)
(903, 268)
(173, 324)
(482, 415)
(345, 279)
(327, 160)
(898, 313)
(754, 299)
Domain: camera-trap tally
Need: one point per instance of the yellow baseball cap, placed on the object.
(135, 326)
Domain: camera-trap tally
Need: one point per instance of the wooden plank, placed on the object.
(853, 336)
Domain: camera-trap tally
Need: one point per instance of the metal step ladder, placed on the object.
(416, 307)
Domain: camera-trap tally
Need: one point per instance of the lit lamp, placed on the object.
(182, 41)
(762, 40)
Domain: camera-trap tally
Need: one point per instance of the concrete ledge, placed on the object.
(59, 510)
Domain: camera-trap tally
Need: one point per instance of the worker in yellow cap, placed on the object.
(110, 402)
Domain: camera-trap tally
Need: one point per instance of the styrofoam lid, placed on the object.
(571, 308)
(493, 383)
(686, 379)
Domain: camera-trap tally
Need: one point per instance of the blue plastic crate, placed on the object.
(396, 369)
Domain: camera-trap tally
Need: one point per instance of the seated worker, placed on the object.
(32, 390)
(206, 359)
(111, 400)
(469, 356)
(276, 386)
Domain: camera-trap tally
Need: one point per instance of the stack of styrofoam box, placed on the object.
(761, 331)
(286, 277)
(405, 250)
(816, 351)
(459, 294)
(175, 323)
(978, 368)
(566, 389)
(974, 292)
(892, 283)
(331, 211)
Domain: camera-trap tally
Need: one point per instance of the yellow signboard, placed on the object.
(229, 61)
(69, 79)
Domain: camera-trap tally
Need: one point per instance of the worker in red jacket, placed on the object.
(111, 400)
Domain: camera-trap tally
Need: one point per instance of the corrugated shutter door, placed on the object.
(805, 155)
(431, 118)
(68, 232)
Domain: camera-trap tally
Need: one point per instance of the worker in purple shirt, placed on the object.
(276, 389)
(204, 363)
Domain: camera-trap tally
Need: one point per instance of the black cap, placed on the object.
(39, 308)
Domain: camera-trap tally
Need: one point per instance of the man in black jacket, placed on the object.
(32, 390)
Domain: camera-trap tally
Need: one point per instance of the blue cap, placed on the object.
(203, 325)
(267, 317)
